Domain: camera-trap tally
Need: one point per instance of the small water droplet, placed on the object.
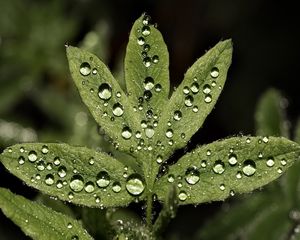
(232, 193)
(97, 199)
(118, 109)
(232, 159)
(270, 162)
(206, 89)
(138, 134)
(182, 135)
(159, 159)
(155, 59)
(85, 69)
(116, 187)
(104, 91)
(214, 73)
(40, 165)
(149, 132)
(59, 184)
(222, 187)
(169, 133)
(147, 62)
(146, 31)
(207, 98)
(70, 195)
(182, 196)
(45, 149)
(203, 163)
(208, 152)
(21, 160)
(279, 170)
(141, 41)
(239, 175)
(248, 140)
(171, 178)
(249, 167)
(126, 133)
(75, 237)
(265, 139)
(10, 150)
(195, 109)
(22, 149)
(32, 156)
(186, 90)
(89, 187)
(103, 179)
(91, 161)
(158, 87)
(49, 180)
(219, 167)
(177, 115)
(69, 225)
(188, 101)
(62, 171)
(56, 161)
(147, 48)
(77, 183)
(148, 83)
(283, 162)
(194, 87)
(135, 185)
(146, 20)
(192, 175)
(147, 95)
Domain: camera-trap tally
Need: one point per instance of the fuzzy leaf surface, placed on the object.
(40, 222)
(75, 174)
(236, 165)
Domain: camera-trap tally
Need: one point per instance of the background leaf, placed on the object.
(38, 221)
(74, 174)
(235, 165)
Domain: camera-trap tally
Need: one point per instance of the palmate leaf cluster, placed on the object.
(147, 125)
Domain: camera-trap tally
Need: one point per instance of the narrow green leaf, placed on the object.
(235, 165)
(104, 97)
(40, 222)
(270, 116)
(74, 174)
(147, 67)
(194, 99)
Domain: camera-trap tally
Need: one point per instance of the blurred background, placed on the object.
(38, 101)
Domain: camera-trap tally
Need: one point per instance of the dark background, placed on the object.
(266, 49)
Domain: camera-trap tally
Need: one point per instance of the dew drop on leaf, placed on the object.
(141, 41)
(188, 101)
(238, 175)
(40, 165)
(89, 187)
(104, 91)
(232, 159)
(148, 83)
(147, 62)
(146, 47)
(147, 95)
(49, 180)
(207, 98)
(265, 139)
(103, 179)
(59, 184)
(32, 156)
(155, 59)
(182, 196)
(203, 163)
(146, 31)
(56, 161)
(222, 187)
(116, 187)
(214, 73)
(158, 87)
(22, 149)
(283, 162)
(249, 167)
(77, 183)
(85, 69)
(177, 115)
(45, 149)
(169, 133)
(94, 71)
(206, 89)
(149, 132)
(118, 109)
(62, 171)
(192, 175)
(135, 185)
(195, 109)
(219, 167)
(126, 133)
(171, 178)
(195, 87)
(270, 162)
(159, 159)
(146, 20)
(186, 90)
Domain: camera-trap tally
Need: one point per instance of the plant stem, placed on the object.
(149, 211)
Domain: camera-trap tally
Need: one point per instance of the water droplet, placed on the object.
(85, 69)
(56, 161)
(260, 155)
(49, 166)
(146, 20)
(94, 71)
(148, 83)
(146, 47)
(232, 159)
(89, 187)
(265, 139)
(232, 193)
(141, 41)
(182, 196)
(69, 225)
(177, 115)
(116, 187)
(195, 87)
(62, 171)
(222, 187)
(147, 95)
(49, 180)
(91, 161)
(155, 59)
(238, 175)
(146, 31)
(97, 199)
(138, 134)
(248, 140)
(279, 170)
(195, 109)
(10, 150)
(59, 184)
(219, 167)
(192, 175)
(147, 62)
(21, 160)
(22, 149)
(45, 149)
(188, 101)
(77, 183)
(40, 165)
(203, 163)
(171, 178)
(270, 162)
(186, 90)
(182, 135)
(149, 132)
(70, 195)
(214, 73)
(74, 237)
(249, 167)
(126, 133)
(159, 159)
(158, 87)
(135, 185)
(118, 109)
(208, 152)
(283, 162)
(206, 89)
(32, 156)
(207, 98)
(103, 179)
(104, 91)
(118, 94)
(169, 133)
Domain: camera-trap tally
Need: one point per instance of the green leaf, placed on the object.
(74, 174)
(38, 221)
(270, 115)
(194, 99)
(297, 132)
(235, 165)
(147, 67)
(104, 97)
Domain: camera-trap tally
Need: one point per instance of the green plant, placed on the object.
(148, 126)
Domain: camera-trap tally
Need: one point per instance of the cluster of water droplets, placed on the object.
(55, 172)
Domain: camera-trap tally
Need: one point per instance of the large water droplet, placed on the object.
(214, 73)
(32, 156)
(189, 101)
(141, 41)
(194, 87)
(85, 69)
(103, 179)
(89, 187)
(49, 180)
(118, 109)
(116, 187)
(76, 183)
(182, 196)
(126, 133)
(135, 185)
(232, 159)
(192, 175)
(149, 132)
(146, 31)
(249, 167)
(219, 167)
(40, 165)
(177, 115)
(206, 89)
(62, 171)
(207, 98)
(104, 91)
(148, 83)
